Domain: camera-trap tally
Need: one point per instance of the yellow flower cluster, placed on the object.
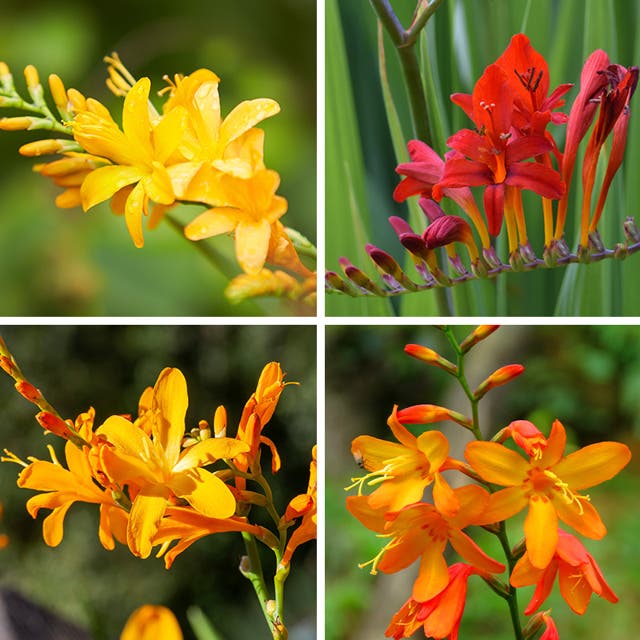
(185, 153)
(154, 482)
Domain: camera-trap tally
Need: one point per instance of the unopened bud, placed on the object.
(31, 76)
(54, 424)
(334, 281)
(28, 391)
(359, 277)
(498, 378)
(270, 607)
(447, 229)
(19, 123)
(204, 431)
(478, 334)
(631, 230)
(596, 241)
(430, 356)
(4, 70)
(533, 626)
(528, 437)
(46, 147)
(7, 365)
(76, 100)
(58, 92)
(620, 251)
(429, 413)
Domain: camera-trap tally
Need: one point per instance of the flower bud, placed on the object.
(478, 334)
(430, 356)
(58, 92)
(429, 413)
(498, 378)
(528, 437)
(28, 391)
(19, 123)
(54, 424)
(31, 76)
(46, 147)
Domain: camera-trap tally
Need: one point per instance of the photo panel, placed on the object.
(490, 485)
(185, 456)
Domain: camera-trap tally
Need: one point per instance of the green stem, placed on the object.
(512, 598)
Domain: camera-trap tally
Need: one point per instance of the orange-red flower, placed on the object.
(151, 622)
(579, 576)
(404, 469)
(440, 616)
(420, 531)
(549, 486)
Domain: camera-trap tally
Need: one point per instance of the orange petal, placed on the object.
(556, 443)
(170, 397)
(53, 525)
(574, 588)
(502, 505)
(151, 622)
(433, 576)
(472, 553)
(495, 463)
(583, 518)
(373, 452)
(401, 433)
(593, 464)
(373, 519)
(435, 446)
(541, 531)
(444, 497)
(212, 223)
(524, 573)
(209, 451)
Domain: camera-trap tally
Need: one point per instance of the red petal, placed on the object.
(535, 177)
(494, 207)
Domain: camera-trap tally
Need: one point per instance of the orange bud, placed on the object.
(54, 424)
(428, 413)
(527, 436)
(430, 357)
(7, 365)
(46, 147)
(478, 334)
(58, 92)
(220, 422)
(498, 378)
(28, 391)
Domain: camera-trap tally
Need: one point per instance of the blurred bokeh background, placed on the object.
(586, 376)
(65, 262)
(108, 368)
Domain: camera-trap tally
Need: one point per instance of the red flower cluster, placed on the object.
(512, 149)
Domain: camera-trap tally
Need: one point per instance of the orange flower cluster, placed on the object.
(155, 483)
(545, 480)
(186, 152)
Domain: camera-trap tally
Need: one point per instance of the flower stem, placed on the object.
(512, 598)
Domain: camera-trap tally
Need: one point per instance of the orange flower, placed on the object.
(421, 531)
(579, 576)
(62, 488)
(305, 506)
(404, 469)
(155, 469)
(188, 526)
(151, 622)
(440, 616)
(548, 484)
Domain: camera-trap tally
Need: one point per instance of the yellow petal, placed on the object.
(444, 497)
(495, 463)
(168, 134)
(541, 531)
(170, 397)
(53, 525)
(583, 517)
(135, 117)
(205, 492)
(252, 245)
(433, 576)
(133, 210)
(593, 464)
(209, 451)
(102, 183)
(212, 223)
(243, 117)
(151, 623)
(144, 519)
(158, 186)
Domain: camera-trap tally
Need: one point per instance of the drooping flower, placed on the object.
(304, 506)
(151, 622)
(155, 469)
(578, 576)
(441, 615)
(188, 526)
(405, 468)
(548, 484)
(420, 531)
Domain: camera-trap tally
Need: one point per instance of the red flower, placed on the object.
(579, 576)
(440, 616)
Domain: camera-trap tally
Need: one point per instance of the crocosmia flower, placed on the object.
(579, 576)
(548, 484)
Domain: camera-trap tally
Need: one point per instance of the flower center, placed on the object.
(545, 482)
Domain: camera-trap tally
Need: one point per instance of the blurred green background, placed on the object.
(588, 377)
(65, 262)
(108, 368)
(462, 38)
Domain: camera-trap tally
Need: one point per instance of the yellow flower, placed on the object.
(155, 469)
(151, 622)
(250, 211)
(140, 153)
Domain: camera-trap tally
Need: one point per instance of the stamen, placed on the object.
(374, 562)
(567, 495)
(12, 457)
